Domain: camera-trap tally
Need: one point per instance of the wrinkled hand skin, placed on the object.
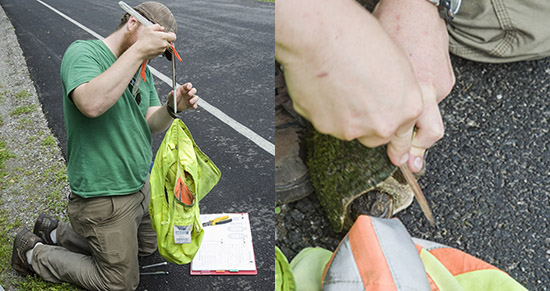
(346, 75)
(186, 97)
(153, 41)
(417, 28)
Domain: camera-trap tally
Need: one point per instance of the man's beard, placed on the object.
(127, 42)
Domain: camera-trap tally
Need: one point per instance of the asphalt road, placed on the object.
(227, 50)
(487, 180)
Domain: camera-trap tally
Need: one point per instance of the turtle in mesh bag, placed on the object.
(181, 176)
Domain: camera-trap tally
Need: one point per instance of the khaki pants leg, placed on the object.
(497, 31)
(111, 226)
(147, 237)
(70, 240)
(501, 30)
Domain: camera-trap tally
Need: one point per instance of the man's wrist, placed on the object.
(447, 8)
(409, 12)
(170, 111)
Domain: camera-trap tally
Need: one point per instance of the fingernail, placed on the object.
(417, 163)
(404, 159)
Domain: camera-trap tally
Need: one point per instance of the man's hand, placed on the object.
(186, 97)
(102, 92)
(417, 27)
(346, 75)
(153, 41)
(157, 117)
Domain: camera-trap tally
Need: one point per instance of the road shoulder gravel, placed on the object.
(32, 169)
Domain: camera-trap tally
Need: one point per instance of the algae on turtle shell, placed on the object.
(341, 171)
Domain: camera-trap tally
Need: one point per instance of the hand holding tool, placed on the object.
(146, 23)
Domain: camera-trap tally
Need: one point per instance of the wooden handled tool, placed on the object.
(420, 198)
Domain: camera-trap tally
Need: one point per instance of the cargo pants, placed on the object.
(498, 31)
(99, 249)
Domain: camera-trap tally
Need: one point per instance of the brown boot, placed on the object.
(291, 174)
(24, 241)
(44, 226)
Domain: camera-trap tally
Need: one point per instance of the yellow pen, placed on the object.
(219, 220)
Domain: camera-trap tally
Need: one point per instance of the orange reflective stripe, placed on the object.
(182, 193)
(458, 262)
(376, 254)
(418, 248)
(433, 286)
(369, 257)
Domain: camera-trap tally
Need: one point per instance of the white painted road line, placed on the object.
(72, 20)
(243, 130)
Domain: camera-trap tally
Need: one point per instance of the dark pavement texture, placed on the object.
(487, 180)
(227, 50)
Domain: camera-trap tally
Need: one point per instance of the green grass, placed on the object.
(49, 141)
(4, 154)
(6, 240)
(33, 138)
(8, 228)
(22, 95)
(58, 175)
(55, 177)
(24, 123)
(23, 110)
(61, 176)
(36, 283)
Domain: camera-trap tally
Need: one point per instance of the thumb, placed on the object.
(400, 145)
(429, 129)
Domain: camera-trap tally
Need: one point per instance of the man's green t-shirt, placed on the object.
(110, 154)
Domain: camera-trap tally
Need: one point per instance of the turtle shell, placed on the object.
(342, 171)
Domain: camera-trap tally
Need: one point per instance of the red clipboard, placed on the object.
(226, 249)
(218, 272)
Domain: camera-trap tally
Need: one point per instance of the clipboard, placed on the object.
(227, 248)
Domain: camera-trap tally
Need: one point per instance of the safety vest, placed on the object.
(376, 254)
(451, 269)
(379, 254)
(181, 176)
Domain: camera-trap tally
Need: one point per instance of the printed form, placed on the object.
(226, 248)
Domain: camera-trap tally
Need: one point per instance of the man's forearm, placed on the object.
(303, 27)
(417, 27)
(102, 92)
(158, 118)
(346, 75)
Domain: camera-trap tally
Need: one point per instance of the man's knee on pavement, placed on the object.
(121, 282)
(147, 244)
(147, 250)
